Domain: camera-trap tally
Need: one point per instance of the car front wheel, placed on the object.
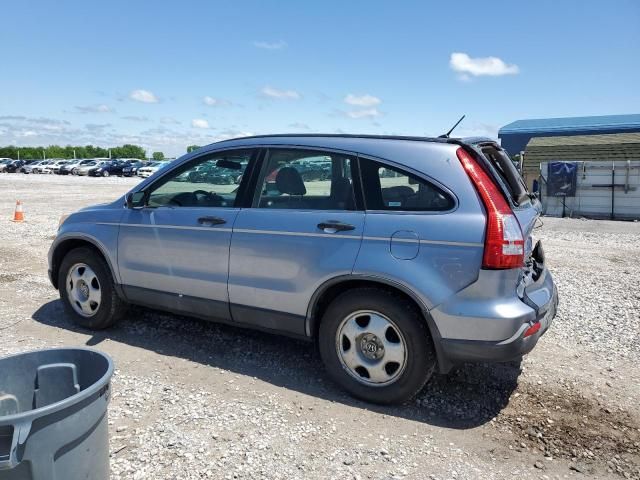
(376, 345)
(87, 290)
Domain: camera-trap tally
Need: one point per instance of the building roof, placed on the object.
(574, 124)
(608, 147)
(575, 140)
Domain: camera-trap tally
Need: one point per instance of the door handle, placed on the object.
(333, 226)
(211, 221)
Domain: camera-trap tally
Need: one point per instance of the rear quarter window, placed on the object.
(393, 189)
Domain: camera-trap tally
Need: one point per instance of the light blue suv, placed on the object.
(397, 255)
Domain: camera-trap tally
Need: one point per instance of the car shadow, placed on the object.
(468, 397)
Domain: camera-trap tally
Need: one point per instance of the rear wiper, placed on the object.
(446, 135)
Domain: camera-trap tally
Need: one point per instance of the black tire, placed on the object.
(111, 308)
(420, 357)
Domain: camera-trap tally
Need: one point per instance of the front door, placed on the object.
(174, 252)
(303, 229)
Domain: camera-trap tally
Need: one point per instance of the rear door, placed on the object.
(302, 229)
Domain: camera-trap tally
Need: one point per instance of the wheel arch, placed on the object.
(333, 287)
(70, 243)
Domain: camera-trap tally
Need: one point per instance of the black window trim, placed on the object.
(403, 168)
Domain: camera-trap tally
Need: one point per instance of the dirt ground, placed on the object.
(198, 400)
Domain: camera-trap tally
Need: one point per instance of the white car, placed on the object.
(55, 166)
(28, 167)
(39, 168)
(4, 162)
(151, 168)
(83, 170)
(70, 168)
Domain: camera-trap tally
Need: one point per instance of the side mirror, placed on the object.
(135, 199)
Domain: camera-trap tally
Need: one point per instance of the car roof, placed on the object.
(355, 142)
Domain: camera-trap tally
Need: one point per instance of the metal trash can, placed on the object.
(53, 415)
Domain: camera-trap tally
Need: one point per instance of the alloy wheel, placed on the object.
(83, 290)
(371, 348)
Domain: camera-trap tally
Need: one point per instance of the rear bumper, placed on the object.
(459, 351)
(487, 321)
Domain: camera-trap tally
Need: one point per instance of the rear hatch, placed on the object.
(535, 286)
(525, 206)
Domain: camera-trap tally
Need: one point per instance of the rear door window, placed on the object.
(390, 188)
(306, 180)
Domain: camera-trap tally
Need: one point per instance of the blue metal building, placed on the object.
(515, 136)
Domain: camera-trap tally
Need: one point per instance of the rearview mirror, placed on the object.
(135, 199)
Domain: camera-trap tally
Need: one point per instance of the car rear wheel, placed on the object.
(376, 345)
(87, 290)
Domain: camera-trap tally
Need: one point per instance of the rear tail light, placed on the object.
(504, 243)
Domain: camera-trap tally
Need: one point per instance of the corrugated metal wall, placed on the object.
(594, 192)
(623, 146)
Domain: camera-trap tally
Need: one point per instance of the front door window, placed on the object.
(210, 182)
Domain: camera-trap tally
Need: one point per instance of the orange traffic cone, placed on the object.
(18, 215)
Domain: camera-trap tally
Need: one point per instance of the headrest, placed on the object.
(289, 180)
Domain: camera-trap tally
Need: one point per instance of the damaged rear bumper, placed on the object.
(459, 351)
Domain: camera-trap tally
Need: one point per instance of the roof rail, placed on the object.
(341, 135)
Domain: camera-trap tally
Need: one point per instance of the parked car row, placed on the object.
(93, 167)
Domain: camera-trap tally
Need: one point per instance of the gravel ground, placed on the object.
(198, 400)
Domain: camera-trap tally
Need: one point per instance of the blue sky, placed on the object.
(169, 74)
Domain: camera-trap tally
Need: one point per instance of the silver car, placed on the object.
(399, 256)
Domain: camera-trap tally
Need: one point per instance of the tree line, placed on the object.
(70, 151)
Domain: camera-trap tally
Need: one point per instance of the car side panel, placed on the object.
(167, 250)
(98, 225)
(279, 258)
(433, 255)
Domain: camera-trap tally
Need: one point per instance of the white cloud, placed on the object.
(365, 100)
(364, 113)
(271, 45)
(280, 94)
(94, 109)
(144, 96)
(231, 133)
(491, 66)
(38, 131)
(215, 102)
(199, 123)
